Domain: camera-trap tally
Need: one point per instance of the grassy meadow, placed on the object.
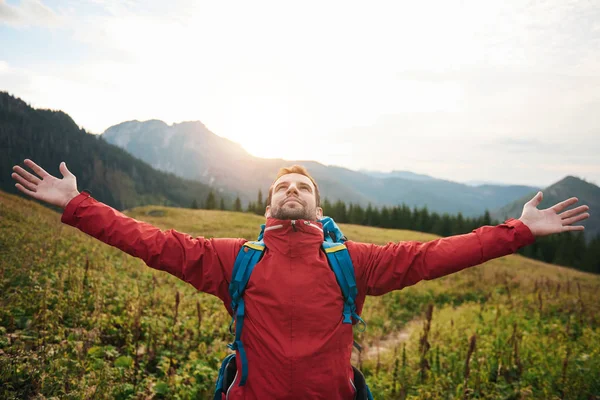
(79, 319)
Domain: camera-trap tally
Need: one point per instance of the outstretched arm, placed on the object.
(381, 269)
(202, 262)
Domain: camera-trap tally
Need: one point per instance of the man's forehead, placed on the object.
(293, 178)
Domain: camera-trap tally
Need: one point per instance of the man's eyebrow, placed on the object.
(280, 184)
(305, 185)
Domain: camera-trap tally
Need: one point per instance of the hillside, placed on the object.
(192, 151)
(586, 192)
(79, 319)
(114, 176)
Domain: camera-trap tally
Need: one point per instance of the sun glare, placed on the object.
(265, 127)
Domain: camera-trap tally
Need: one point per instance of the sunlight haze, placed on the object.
(470, 90)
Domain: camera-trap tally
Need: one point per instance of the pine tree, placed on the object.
(425, 219)
(341, 214)
(369, 216)
(260, 205)
(487, 219)
(222, 204)
(446, 225)
(414, 220)
(458, 225)
(328, 209)
(356, 214)
(405, 217)
(237, 205)
(396, 218)
(386, 219)
(194, 205)
(211, 201)
(591, 259)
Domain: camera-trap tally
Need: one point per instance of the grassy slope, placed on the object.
(80, 319)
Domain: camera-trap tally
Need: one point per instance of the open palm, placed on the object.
(45, 187)
(554, 219)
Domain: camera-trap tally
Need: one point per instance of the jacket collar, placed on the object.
(293, 238)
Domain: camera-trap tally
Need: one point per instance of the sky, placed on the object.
(496, 91)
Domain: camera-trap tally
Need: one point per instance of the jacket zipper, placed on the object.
(293, 222)
(313, 225)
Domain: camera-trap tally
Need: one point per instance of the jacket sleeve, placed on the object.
(204, 263)
(381, 269)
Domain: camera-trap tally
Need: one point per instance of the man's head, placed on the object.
(294, 195)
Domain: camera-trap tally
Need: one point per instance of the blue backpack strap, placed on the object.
(332, 232)
(262, 233)
(246, 260)
(249, 255)
(219, 390)
(369, 394)
(341, 264)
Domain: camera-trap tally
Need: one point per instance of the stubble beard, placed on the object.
(294, 213)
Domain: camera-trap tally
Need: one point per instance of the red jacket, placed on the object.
(296, 344)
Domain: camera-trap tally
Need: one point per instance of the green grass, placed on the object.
(79, 319)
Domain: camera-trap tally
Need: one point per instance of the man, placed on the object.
(296, 344)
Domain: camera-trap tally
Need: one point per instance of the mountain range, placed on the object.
(586, 192)
(192, 151)
(112, 175)
(136, 163)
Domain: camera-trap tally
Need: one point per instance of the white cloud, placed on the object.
(334, 80)
(28, 13)
(16, 81)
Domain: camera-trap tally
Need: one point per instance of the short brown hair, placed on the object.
(294, 169)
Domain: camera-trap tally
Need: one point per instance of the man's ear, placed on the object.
(319, 213)
(268, 212)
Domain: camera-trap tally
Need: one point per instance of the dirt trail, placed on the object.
(387, 343)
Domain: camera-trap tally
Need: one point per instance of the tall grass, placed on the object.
(79, 319)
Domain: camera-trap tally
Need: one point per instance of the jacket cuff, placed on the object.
(68, 215)
(523, 233)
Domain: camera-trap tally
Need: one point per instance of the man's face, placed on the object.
(294, 198)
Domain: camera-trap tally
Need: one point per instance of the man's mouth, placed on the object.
(292, 199)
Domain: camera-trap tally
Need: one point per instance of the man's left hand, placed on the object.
(553, 219)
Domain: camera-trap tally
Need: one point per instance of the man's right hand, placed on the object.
(44, 186)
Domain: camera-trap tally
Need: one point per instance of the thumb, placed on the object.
(64, 170)
(537, 199)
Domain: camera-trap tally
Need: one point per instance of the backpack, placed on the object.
(247, 258)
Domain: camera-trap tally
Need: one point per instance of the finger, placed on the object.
(572, 220)
(574, 211)
(570, 228)
(537, 199)
(564, 204)
(30, 177)
(36, 168)
(64, 170)
(24, 182)
(26, 191)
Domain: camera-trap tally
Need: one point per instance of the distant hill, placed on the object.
(113, 175)
(192, 151)
(570, 186)
(480, 183)
(397, 174)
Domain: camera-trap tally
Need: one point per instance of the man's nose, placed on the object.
(292, 189)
